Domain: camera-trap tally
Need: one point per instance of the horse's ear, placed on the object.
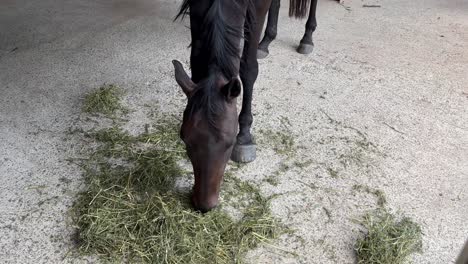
(232, 89)
(182, 78)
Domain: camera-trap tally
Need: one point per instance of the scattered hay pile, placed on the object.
(105, 100)
(132, 211)
(388, 241)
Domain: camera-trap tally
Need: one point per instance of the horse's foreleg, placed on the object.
(307, 45)
(244, 150)
(271, 29)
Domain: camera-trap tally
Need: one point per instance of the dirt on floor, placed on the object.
(379, 109)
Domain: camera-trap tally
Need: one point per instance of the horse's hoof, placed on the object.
(244, 153)
(305, 48)
(261, 54)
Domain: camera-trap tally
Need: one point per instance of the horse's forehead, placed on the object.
(192, 122)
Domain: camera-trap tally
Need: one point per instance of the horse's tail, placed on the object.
(299, 8)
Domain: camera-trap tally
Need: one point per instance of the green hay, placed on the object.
(388, 241)
(379, 194)
(132, 211)
(274, 178)
(105, 100)
(333, 173)
(282, 141)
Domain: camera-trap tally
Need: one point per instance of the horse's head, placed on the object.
(208, 130)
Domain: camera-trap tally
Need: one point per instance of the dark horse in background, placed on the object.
(306, 45)
(211, 130)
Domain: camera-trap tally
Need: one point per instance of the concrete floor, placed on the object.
(393, 77)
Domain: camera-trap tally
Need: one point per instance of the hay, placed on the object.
(132, 211)
(388, 240)
(105, 100)
(282, 142)
(379, 194)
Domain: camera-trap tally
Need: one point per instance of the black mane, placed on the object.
(217, 34)
(223, 55)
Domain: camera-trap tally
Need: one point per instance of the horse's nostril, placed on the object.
(204, 205)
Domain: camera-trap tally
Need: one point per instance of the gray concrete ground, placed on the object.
(382, 102)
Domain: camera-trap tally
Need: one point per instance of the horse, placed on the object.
(306, 45)
(211, 130)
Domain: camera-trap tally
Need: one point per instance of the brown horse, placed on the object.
(220, 71)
